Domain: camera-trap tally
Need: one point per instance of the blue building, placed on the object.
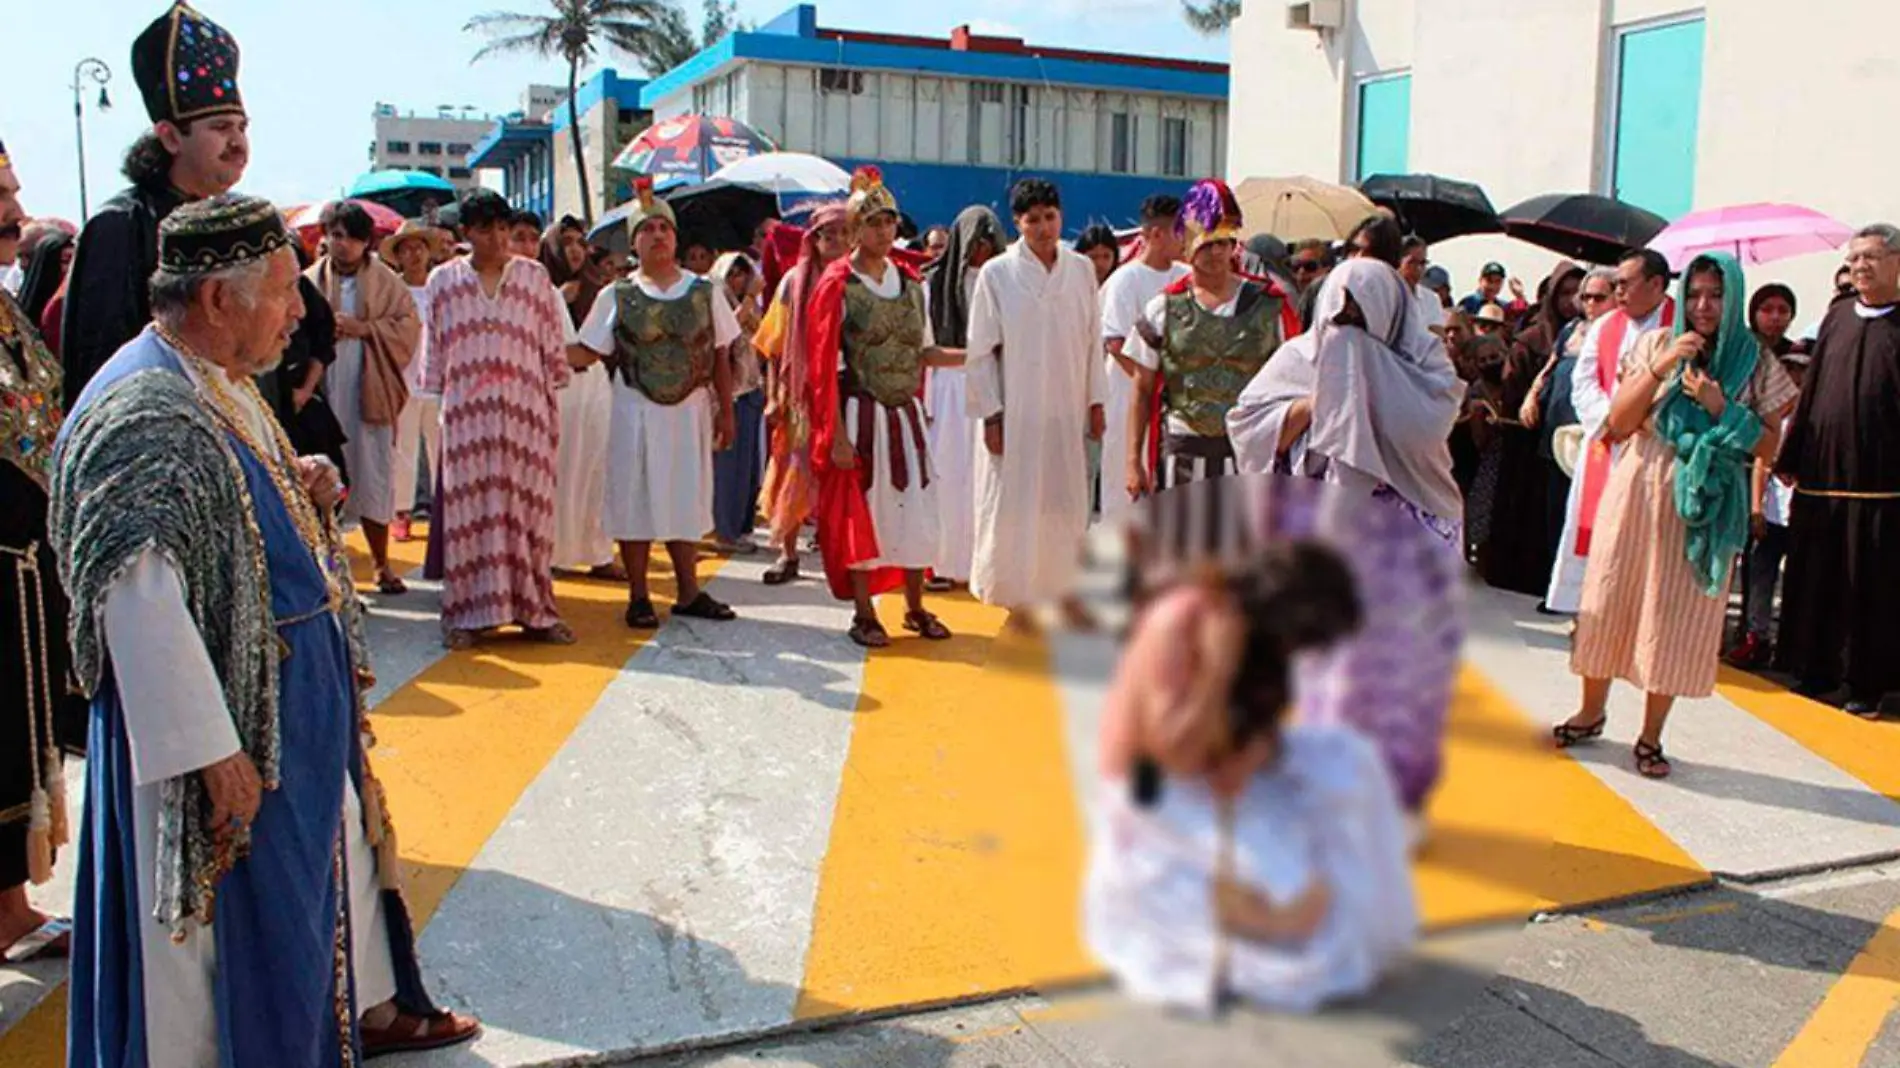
(534, 149)
(955, 121)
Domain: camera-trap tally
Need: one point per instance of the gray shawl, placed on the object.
(145, 466)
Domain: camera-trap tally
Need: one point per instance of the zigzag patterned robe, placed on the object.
(497, 362)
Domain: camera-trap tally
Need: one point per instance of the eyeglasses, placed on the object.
(1593, 298)
(1305, 266)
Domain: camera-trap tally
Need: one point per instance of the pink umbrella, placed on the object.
(1755, 233)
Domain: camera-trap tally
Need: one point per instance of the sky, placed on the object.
(312, 73)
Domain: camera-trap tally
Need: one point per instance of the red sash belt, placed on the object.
(1596, 469)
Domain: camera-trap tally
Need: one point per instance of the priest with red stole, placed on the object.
(869, 340)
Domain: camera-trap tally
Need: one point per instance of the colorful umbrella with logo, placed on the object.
(688, 149)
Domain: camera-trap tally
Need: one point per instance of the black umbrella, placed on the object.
(1583, 226)
(723, 216)
(1436, 209)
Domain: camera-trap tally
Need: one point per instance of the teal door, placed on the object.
(1658, 105)
(1385, 127)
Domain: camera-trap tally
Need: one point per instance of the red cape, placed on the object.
(846, 535)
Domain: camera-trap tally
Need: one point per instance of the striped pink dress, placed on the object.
(1644, 618)
(497, 362)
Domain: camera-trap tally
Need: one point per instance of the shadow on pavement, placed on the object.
(554, 977)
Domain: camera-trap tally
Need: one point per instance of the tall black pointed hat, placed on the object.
(186, 67)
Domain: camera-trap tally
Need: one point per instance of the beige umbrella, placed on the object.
(1297, 209)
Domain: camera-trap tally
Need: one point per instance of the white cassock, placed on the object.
(580, 468)
(660, 455)
(954, 439)
(176, 723)
(1032, 503)
(1125, 295)
(421, 419)
(1593, 411)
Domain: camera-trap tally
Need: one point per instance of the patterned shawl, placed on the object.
(144, 466)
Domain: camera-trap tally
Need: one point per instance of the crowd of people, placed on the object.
(200, 405)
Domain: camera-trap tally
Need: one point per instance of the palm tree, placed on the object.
(1213, 17)
(574, 32)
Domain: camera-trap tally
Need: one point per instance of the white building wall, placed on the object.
(1514, 96)
(928, 129)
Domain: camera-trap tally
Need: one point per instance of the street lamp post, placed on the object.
(97, 70)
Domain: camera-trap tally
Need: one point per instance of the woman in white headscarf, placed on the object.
(1366, 399)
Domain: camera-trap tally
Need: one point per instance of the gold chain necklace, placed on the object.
(318, 536)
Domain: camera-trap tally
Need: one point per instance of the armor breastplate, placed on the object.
(883, 341)
(1208, 359)
(666, 346)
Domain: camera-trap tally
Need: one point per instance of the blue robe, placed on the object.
(283, 982)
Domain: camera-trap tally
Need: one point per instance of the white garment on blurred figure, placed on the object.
(1325, 811)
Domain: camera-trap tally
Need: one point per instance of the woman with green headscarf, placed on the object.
(1696, 403)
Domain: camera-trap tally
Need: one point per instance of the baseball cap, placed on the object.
(1493, 269)
(1437, 278)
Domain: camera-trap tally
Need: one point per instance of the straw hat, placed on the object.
(1491, 313)
(1566, 445)
(437, 240)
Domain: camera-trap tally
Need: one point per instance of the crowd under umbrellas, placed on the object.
(1281, 429)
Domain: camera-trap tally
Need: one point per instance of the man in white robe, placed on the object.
(1642, 287)
(1037, 383)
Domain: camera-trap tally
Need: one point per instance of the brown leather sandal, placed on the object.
(411, 1034)
(926, 625)
(868, 632)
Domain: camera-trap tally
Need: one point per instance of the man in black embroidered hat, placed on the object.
(186, 67)
(219, 635)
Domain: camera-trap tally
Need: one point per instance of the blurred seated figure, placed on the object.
(1233, 857)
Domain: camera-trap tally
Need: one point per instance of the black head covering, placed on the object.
(949, 304)
(5, 161)
(225, 231)
(186, 67)
(43, 274)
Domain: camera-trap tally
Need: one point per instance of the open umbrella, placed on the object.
(1436, 209)
(721, 215)
(1582, 226)
(687, 150)
(1755, 233)
(306, 221)
(1299, 209)
(787, 174)
(409, 193)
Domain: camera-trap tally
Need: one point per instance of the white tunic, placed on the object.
(659, 457)
(1035, 342)
(1327, 812)
(176, 723)
(421, 421)
(369, 451)
(906, 521)
(954, 438)
(1125, 295)
(580, 480)
(1593, 412)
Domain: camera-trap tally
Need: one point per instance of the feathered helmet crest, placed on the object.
(869, 195)
(647, 206)
(1209, 213)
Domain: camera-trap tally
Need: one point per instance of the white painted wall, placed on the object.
(1513, 96)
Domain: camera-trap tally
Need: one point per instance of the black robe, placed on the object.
(108, 292)
(23, 505)
(1840, 618)
(313, 431)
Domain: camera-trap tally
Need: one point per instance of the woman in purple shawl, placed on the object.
(1366, 401)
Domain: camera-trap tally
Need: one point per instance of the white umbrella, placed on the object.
(787, 174)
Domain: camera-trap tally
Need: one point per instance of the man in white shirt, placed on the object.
(1642, 291)
(1413, 262)
(1125, 296)
(660, 333)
